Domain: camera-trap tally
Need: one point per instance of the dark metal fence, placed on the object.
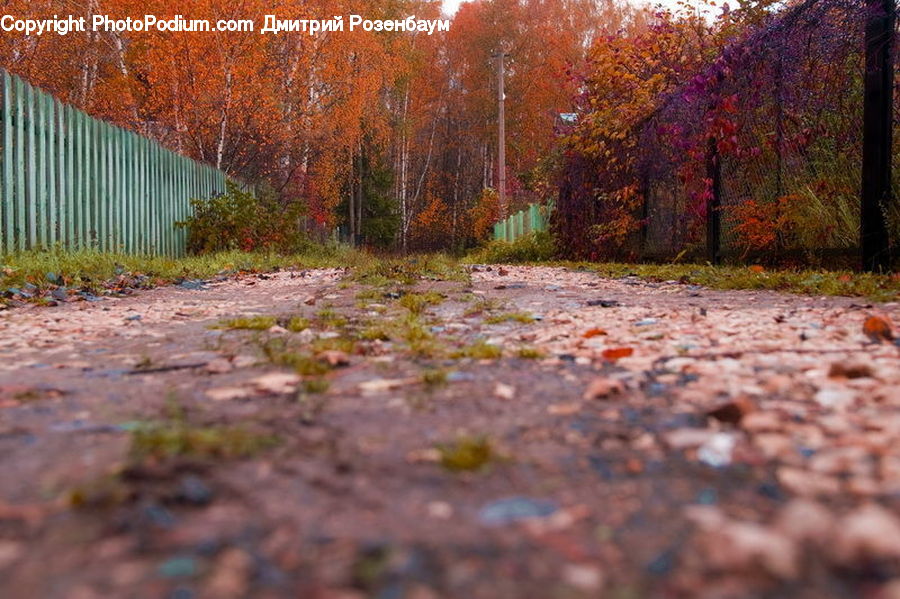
(764, 152)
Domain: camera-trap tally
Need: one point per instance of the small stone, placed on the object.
(178, 567)
(804, 520)
(226, 393)
(687, 438)
(335, 358)
(515, 509)
(806, 483)
(835, 398)
(219, 366)
(504, 391)
(869, 532)
(583, 577)
(440, 510)
(603, 387)
(717, 450)
(10, 551)
(231, 574)
(277, 383)
(277, 330)
(192, 490)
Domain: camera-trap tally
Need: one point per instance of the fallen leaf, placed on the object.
(595, 332)
(617, 353)
(878, 329)
(850, 370)
(732, 412)
(757, 268)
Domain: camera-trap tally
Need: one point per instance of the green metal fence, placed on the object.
(73, 181)
(534, 218)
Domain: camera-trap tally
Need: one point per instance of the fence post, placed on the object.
(8, 185)
(877, 135)
(714, 202)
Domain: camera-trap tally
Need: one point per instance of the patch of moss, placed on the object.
(466, 454)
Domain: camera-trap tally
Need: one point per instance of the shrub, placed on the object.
(534, 247)
(239, 220)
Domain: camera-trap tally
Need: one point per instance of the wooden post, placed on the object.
(877, 135)
(714, 204)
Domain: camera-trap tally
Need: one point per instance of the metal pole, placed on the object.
(501, 134)
(877, 135)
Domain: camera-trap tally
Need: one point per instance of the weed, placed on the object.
(466, 454)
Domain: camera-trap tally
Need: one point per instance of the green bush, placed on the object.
(239, 220)
(534, 247)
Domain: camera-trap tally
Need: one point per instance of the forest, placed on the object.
(389, 139)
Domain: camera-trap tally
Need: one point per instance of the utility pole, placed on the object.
(501, 131)
(878, 104)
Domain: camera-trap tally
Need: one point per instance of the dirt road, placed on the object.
(515, 432)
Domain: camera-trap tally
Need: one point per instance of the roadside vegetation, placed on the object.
(539, 249)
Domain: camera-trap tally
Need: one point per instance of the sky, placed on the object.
(450, 6)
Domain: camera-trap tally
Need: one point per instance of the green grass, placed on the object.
(434, 378)
(388, 271)
(249, 323)
(87, 267)
(316, 386)
(538, 250)
(329, 318)
(804, 282)
(297, 324)
(530, 353)
(168, 440)
(416, 303)
(480, 350)
(534, 247)
(522, 317)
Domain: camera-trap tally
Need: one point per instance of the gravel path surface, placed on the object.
(518, 432)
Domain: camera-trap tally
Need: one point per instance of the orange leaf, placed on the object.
(878, 329)
(617, 353)
(595, 332)
(757, 268)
